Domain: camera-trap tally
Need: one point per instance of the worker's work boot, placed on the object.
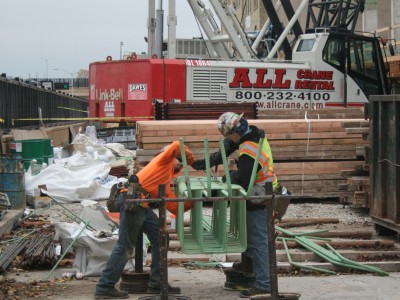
(245, 266)
(254, 292)
(236, 281)
(111, 294)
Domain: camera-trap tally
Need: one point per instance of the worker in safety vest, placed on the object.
(160, 170)
(244, 138)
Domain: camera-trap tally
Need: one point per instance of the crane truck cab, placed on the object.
(355, 59)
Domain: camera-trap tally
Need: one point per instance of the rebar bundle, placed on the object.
(11, 251)
(40, 252)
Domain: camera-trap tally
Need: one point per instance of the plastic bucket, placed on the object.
(12, 180)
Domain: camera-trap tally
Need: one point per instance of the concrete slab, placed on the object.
(207, 284)
(9, 220)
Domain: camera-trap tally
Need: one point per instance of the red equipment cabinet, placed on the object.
(125, 90)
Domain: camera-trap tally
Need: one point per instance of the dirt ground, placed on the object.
(207, 283)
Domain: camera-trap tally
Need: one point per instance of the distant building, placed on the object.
(381, 17)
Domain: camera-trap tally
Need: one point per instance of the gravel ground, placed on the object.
(356, 218)
(350, 217)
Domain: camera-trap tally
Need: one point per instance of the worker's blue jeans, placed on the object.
(257, 247)
(130, 225)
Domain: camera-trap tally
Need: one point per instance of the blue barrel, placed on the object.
(12, 174)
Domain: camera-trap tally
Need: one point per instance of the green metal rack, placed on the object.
(223, 232)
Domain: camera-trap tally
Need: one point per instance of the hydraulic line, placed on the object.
(334, 259)
(301, 266)
(290, 233)
(351, 262)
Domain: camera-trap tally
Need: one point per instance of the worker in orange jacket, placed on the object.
(160, 170)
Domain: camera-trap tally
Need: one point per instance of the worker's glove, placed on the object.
(281, 190)
(199, 165)
(233, 175)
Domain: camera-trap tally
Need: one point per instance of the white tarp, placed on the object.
(83, 175)
(93, 248)
(73, 179)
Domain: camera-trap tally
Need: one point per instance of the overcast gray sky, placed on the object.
(71, 34)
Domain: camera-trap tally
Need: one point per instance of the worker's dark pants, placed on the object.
(130, 226)
(257, 247)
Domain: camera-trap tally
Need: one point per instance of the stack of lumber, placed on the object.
(204, 111)
(358, 181)
(309, 155)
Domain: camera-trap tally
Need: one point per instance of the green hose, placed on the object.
(334, 259)
(371, 269)
(303, 266)
(290, 233)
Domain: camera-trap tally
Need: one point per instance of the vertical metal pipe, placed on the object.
(151, 28)
(271, 241)
(163, 244)
(159, 31)
(172, 20)
(139, 253)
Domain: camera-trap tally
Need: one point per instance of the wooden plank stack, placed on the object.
(203, 111)
(309, 154)
(358, 181)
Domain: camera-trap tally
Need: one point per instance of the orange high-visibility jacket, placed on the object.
(160, 170)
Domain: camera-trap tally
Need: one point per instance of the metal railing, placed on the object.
(77, 82)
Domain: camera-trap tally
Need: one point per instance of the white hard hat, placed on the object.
(228, 121)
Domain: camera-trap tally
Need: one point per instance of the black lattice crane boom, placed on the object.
(337, 15)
